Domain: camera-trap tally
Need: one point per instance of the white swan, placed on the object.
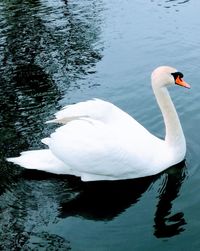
(98, 141)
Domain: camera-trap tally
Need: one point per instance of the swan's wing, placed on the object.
(97, 151)
(99, 110)
(96, 109)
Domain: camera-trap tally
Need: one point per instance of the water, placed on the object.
(54, 53)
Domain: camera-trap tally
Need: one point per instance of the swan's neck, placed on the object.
(174, 134)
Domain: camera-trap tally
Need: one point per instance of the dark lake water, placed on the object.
(54, 53)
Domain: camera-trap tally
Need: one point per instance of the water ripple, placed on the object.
(167, 4)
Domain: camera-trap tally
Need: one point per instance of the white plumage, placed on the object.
(98, 141)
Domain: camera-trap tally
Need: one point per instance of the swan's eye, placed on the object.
(178, 78)
(176, 75)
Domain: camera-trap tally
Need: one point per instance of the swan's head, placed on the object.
(167, 76)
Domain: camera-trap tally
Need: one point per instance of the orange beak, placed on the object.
(181, 82)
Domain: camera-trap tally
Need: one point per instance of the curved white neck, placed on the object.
(174, 134)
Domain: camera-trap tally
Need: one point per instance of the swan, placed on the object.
(98, 141)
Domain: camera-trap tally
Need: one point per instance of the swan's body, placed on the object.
(98, 141)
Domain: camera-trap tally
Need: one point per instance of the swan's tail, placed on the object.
(42, 160)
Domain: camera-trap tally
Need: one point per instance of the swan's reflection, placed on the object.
(107, 200)
(167, 225)
(104, 200)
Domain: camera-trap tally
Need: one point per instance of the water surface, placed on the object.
(54, 53)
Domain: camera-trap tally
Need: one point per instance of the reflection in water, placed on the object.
(41, 199)
(47, 241)
(44, 48)
(107, 200)
(73, 37)
(166, 225)
(24, 208)
(26, 90)
(40, 58)
(24, 101)
(104, 200)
